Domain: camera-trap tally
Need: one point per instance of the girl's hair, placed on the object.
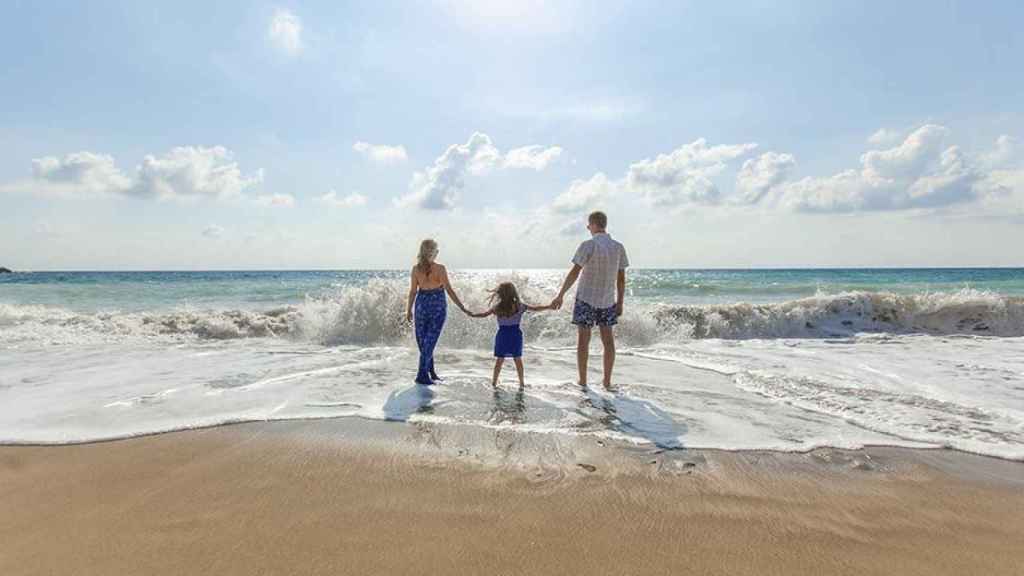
(428, 249)
(508, 300)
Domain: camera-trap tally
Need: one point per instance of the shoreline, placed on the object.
(343, 496)
(371, 421)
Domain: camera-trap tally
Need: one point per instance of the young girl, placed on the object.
(508, 342)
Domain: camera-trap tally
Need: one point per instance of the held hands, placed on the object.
(556, 304)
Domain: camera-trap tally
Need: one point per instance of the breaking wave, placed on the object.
(940, 313)
(374, 314)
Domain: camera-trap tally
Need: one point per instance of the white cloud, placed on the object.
(585, 194)
(381, 153)
(80, 172)
(213, 231)
(884, 137)
(285, 32)
(761, 174)
(1005, 150)
(438, 186)
(907, 159)
(192, 172)
(536, 157)
(280, 200)
(352, 200)
(685, 174)
(682, 176)
(918, 173)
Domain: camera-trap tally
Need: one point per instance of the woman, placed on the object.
(428, 286)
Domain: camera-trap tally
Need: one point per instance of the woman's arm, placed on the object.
(451, 291)
(413, 284)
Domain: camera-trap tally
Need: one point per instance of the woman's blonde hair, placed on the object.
(508, 300)
(428, 250)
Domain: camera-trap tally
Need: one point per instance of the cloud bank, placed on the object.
(183, 172)
(922, 171)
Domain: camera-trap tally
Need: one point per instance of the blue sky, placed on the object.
(335, 135)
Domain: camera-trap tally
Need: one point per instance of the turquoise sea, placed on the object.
(138, 291)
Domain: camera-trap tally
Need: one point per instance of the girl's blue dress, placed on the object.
(508, 342)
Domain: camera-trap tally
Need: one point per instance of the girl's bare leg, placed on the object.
(497, 370)
(519, 369)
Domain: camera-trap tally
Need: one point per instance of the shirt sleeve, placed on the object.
(624, 260)
(583, 253)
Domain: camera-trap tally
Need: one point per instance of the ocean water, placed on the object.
(732, 359)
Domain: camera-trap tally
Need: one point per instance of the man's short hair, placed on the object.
(599, 219)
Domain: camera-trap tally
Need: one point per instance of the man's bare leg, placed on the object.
(608, 339)
(583, 352)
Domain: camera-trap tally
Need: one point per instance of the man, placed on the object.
(599, 295)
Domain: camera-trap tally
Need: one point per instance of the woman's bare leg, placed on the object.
(519, 369)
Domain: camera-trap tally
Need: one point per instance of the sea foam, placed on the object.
(374, 314)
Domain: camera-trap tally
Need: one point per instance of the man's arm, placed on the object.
(570, 279)
(620, 291)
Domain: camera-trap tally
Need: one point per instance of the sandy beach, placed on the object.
(354, 497)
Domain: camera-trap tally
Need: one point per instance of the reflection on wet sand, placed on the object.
(634, 417)
(402, 404)
(509, 407)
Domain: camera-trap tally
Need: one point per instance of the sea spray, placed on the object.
(374, 314)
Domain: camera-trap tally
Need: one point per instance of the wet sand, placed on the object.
(356, 497)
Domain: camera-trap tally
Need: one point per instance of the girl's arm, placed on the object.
(451, 291)
(413, 284)
(533, 308)
(481, 314)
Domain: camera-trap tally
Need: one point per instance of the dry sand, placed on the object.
(336, 497)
